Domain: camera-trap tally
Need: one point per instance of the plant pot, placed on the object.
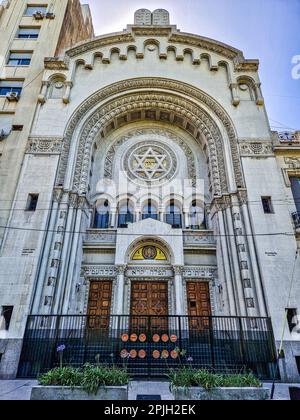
(223, 394)
(58, 393)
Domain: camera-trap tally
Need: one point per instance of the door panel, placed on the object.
(198, 304)
(149, 299)
(99, 304)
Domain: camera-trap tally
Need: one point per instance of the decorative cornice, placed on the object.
(99, 42)
(56, 63)
(44, 145)
(258, 148)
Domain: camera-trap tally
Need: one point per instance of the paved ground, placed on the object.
(21, 389)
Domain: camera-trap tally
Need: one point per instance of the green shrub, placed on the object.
(66, 376)
(188, 378)
(90, 377)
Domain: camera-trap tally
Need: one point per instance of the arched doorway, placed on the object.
(150, 290)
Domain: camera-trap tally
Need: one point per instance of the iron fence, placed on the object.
(149, 346)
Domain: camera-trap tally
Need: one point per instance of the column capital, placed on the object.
(178, 269)
(121, 269)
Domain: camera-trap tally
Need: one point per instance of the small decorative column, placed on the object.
(113, 218)
(186, 215)
(42, 95)
(259, 97)
(66, 98)
(119, 292)
(235, 96)
(179, 292)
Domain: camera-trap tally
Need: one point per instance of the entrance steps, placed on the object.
(150, 388)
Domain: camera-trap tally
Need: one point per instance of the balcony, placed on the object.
(148, 344)
(296, 219)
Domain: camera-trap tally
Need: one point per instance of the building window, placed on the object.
(31, 10)
(32, 202)
(10, 86)
(292, 316)
(295, 184)
(19, 59)
(298, 363)
(267, 205)
(28, 33)
(6, 313)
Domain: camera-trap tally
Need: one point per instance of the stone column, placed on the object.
(66, 98)
(179, 291)
(228, 275)
(41, 278)
(119, 292)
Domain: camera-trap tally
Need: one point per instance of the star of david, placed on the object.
(151, 164)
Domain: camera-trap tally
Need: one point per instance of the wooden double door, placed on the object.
(199, 305)
(99, 307)
(149, 305)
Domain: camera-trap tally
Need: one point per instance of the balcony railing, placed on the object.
(296, 218)
(149, 345)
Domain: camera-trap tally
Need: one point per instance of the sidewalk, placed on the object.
(17, 390)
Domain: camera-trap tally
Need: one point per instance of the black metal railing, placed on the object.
(296, 218)
(149, 346)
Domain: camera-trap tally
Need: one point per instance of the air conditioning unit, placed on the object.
(124, 226)
(38, 15)
(4, 134)
(176, 226)
(13, 96)
(50, 15)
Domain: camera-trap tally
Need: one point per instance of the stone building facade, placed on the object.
(148, 182)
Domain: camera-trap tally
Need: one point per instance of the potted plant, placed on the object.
(191, 384)
(88, 383)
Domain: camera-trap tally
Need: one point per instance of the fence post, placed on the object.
(242, 344)
(211, 342)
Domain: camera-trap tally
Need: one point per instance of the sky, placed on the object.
(268, 30)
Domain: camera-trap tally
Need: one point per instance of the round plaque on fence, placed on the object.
(124, 354)
(174, 354)
(133, 354)
(125, 338)
(156, 338)
(173, 338)
(143, 338)
(165, 354)
(156, 354)
(165, 338)
(142, 354)
(134, 338)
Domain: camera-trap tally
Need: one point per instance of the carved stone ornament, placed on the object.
(143, 100)
(99, 271)
(257, 149)
(292, 162)
(44, 145)
(152, 133)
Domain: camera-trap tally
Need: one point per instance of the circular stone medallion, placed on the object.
(150, 162)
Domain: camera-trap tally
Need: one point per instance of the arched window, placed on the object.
(174, 215)
(102, 215)
(150, 211)
(125, 214)
(197, 216)
(57, 88)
